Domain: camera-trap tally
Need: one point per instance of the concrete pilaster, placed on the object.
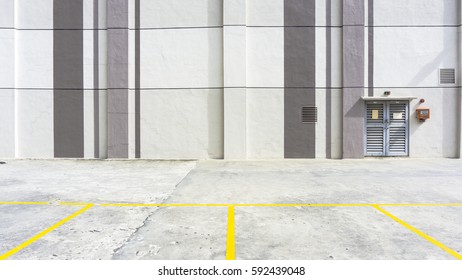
(235, 95)
(353, 78)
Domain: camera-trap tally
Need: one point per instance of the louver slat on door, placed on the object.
(375, 140)
(397, 143)
(375, 130)
(387, 128)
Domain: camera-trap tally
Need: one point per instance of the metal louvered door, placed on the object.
(386, 128)
(397, 144)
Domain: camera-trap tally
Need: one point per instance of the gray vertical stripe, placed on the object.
(370, 23)
(68, 113)
(328, 79)
(300, 75)
(137, 79)
(117, 78)
(96, 76)
(353, 78)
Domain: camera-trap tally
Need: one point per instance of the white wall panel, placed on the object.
(89, 124)
(34, 58)
(416, 12)
(411, 57)
(235, 123)
(234, 56)
(181, 13)
(7, 13)
(182, 58)
(35, 123)
(234, 12)
(265, 123)
(265, 12)
(7, 58)
(321, 65)
(7, 132)
(88, 14)
(131, 125)
(436, 137)
(265, 57)
(37, 14)
(321, 124)
(182, 124)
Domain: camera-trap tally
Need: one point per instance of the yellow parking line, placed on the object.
(75, 203)
(230, 241)
(233, 204)
(303, 205)
(43, 233)
(228, 205)
(420, 233)
(23, 203)
(278, 205)
(161, 205)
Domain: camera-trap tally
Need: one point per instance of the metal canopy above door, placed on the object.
(386, 130)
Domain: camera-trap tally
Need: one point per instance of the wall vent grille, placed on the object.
(447, 76)
(309, 114)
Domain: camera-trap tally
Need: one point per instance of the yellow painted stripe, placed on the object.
(228, 205)
(75, 203)
(43, 233)
(234, 204)
(303, 205)
(420, 233)
(230, 242)
(23, 203)
(161, 205)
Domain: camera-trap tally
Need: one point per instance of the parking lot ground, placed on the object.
(318, 210)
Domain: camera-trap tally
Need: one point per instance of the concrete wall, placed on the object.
(211, 79)
(410, 46)
(7, 78)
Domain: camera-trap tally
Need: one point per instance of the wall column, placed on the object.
(353, 78)
(117, 78)
(460, 81)
(235, 95)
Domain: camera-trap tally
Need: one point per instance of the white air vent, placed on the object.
(447, 76)
(309, 114)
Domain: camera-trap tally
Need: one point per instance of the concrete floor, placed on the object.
(261, 232)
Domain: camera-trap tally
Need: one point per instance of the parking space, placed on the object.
(21, 222)
(93, 235)
(198, 211)
(180, 233)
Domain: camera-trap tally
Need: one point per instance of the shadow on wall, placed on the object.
(215, 98)
(215, 121)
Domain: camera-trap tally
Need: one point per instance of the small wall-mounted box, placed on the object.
(423, 114)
